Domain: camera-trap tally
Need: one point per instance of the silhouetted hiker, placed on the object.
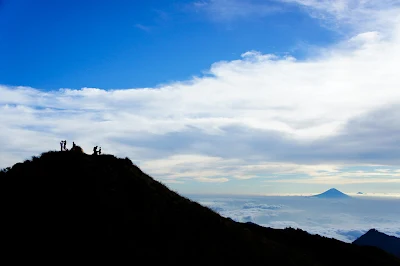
(65, 145)
(62, 145)
(73, 145)
(95, 150)
(100, 151)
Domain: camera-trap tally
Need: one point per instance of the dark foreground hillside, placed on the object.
(67, 206)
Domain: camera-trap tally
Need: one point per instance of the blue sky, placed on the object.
(127, 44)
(210, 96)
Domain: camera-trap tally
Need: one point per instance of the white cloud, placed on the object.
(335, 180)
(344, 219)
(216, 169)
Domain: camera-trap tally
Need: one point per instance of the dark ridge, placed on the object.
(70, 206)
(378, 239)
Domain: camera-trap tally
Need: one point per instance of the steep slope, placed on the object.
(378, 239)
(72, 206)
(332, 193)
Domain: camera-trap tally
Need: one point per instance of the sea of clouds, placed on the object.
(342, 219)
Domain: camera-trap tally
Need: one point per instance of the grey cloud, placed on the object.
(371, 138)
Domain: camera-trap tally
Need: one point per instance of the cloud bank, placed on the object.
(344, 219)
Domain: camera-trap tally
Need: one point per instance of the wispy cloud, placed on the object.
(210, 169)
(212, 180)
(353, 15)
(143, 27)
(223, 10)
(360, 15)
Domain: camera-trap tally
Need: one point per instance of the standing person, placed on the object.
(62, 145)
(95, 150)
(65, 145)
(100, 151)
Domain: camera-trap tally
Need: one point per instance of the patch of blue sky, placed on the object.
(126, 44)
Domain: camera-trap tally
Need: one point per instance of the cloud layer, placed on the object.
(258, 116)
(344, 219)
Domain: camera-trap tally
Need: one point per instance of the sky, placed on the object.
(256, 97)
(342, 219)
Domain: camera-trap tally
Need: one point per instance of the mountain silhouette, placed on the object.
(378, 239)
(332, 193)
(78, 208)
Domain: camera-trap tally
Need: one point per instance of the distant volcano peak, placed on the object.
(332, 193)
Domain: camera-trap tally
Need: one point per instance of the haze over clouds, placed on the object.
(343, 219)
(259, 124)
